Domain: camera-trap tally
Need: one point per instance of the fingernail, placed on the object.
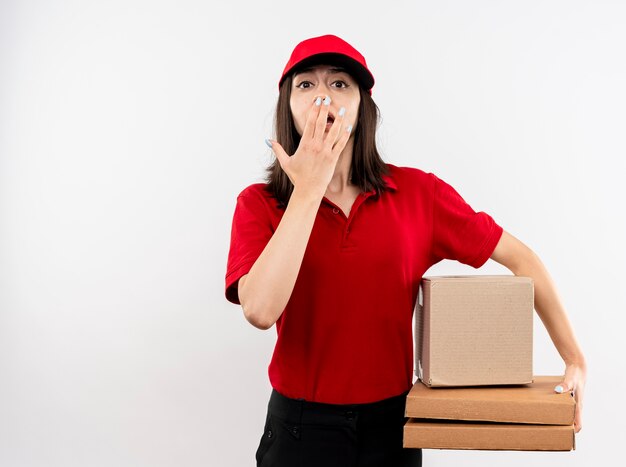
(318, 101)
(349, 128)
(268, 142)
(327, 100)
(342, 111)
(559, 389)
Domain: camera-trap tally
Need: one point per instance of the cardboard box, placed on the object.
(534, 403)
(474, 330)
(433, 434)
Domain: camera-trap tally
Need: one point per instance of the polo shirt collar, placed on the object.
(390, 183)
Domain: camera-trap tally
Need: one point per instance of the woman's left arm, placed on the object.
(522, 261)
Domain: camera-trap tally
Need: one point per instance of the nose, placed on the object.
(322, 96)
(322, 92)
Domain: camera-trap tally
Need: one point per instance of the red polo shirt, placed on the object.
(345, 336)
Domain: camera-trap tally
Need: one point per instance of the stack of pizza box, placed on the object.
(476, 389)
(530, 417)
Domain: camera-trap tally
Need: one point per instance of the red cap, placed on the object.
(330, 50)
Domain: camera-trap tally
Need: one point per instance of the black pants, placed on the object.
(302, 434)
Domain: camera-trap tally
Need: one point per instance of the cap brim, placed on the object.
(358, 71)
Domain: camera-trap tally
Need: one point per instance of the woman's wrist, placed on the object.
(312, 194)
(579, 361)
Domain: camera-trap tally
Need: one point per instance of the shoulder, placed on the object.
(259, 199)
(257, 192)
(412, 178)
(255, 189)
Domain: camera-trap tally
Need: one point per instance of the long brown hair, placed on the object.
(367, 165)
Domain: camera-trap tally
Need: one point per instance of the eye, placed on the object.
(301, 84)
(342, 82)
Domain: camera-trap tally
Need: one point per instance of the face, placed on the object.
(322, 81)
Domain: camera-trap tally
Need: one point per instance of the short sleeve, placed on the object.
(459, 232)
(250, 232)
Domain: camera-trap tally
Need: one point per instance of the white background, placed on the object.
(127, 129)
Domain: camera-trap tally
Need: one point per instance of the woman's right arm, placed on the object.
(265, 290)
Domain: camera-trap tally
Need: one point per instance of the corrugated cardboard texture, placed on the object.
(474, 330)
(487, 436)
(531, 403)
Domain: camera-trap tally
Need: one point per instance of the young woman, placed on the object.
(332, 250)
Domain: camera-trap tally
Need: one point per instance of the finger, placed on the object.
(579, 392)
(342, 141)
(564, 386)
(320, 124)
(578, 397)
(333, 133)
(567, 385)
(281, 155)
(311, 118)
(578, 423)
